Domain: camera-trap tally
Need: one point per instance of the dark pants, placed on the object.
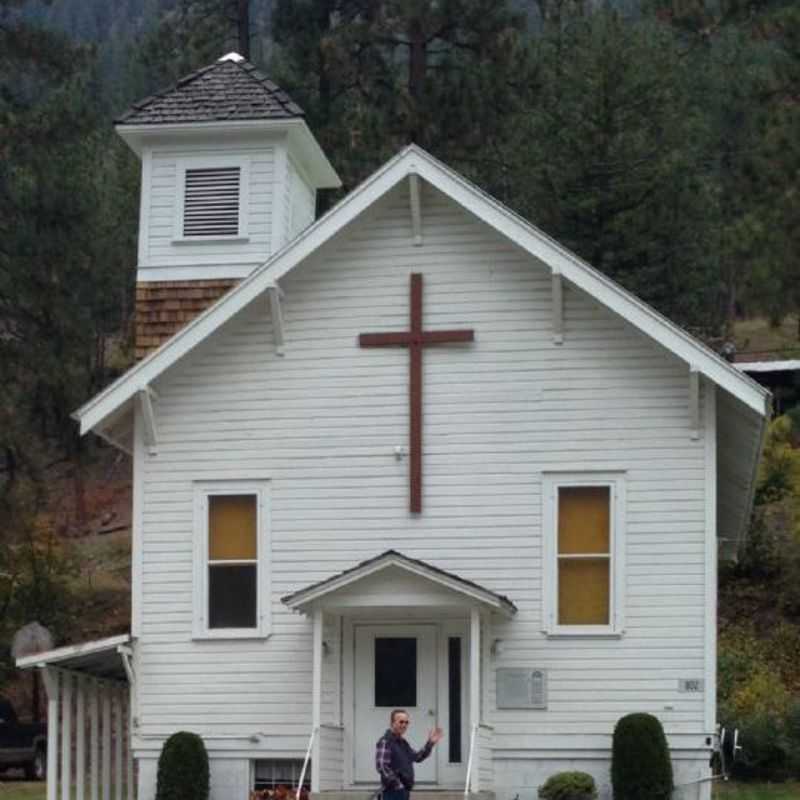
(396, 794)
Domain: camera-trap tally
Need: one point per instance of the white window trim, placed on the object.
(200, 162)
(550, 485)
(202, 491)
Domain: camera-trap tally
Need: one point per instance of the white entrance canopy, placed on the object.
(393, 580)
(88, 703)
(391, 585)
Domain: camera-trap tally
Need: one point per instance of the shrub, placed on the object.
(569, 786)
(640, 764)
(182, 768)
(792, 722)
(765, 749)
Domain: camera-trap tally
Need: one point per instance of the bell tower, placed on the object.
(230, 174)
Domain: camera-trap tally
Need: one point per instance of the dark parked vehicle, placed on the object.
(22, 746)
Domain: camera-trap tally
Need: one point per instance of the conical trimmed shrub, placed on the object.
(640, 764)
(182, 768)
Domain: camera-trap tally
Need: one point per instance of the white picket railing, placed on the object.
(471, 758)
(314, 732)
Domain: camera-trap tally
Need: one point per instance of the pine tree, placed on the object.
(374, 76)
(60, 289)
(608, 159)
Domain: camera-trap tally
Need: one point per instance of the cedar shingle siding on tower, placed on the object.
(164, 307)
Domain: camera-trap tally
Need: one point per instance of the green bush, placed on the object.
(183, 768)
(792, 723)
(640, 764)
(764, 754)
(569, 786)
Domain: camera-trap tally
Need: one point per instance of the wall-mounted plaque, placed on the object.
(521, 688)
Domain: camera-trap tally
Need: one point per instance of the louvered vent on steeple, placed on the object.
(211, 201)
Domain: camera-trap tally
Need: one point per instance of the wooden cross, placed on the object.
(415, 339)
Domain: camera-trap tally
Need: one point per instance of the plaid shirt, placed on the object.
(383, 761)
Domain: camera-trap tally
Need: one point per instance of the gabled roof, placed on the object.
(391, 558)
(414, 161)
(229, 89)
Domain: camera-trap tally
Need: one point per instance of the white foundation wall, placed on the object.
(321, 425)
(513, 778)
(522, 777)
(228, 778)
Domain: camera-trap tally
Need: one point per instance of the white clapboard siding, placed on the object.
(332, 758)
(321, 424)
(484, 762)
(161, 248)
(302, 201)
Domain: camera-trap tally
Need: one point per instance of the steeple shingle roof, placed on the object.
(228, 89)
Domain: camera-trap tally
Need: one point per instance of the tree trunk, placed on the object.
(243, 27)
(417, 67)
(323, 24)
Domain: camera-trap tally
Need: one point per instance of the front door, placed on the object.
(395, 667)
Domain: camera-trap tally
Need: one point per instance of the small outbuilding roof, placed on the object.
(230, 89)
(785, 365)
(299, 600)
(101, 658)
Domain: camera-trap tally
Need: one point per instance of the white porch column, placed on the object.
(105, 748)
(94, 740)
(474, 692)
(80, 740)
(118, 741)
(66, 736)
(129, 747)
(50, 680)
(316, 697)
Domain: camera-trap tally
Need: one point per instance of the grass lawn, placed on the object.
(22, 790)
(757, 335)
(757, 791)
(14, 789)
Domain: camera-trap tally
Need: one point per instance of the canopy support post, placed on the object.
(475, 683)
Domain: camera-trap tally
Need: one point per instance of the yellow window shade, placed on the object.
(232, 527)
(584, 519)
(583, 586)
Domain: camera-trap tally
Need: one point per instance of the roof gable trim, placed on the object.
(413, 160)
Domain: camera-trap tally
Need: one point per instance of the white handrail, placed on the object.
(469, 761)
(305, 762)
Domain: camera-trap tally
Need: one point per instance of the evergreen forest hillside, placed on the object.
(658, 139)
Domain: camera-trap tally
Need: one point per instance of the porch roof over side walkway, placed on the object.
(101, 658)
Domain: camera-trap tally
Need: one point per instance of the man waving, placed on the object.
(394, 756)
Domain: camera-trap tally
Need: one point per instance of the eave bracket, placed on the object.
(145, 398)
(694, 402)
(416, 208)
(275, 296)
(558, 308)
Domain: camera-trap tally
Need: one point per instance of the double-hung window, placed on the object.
(583, 546)
(231, 559)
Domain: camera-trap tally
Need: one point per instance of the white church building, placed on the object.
(413, 453)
